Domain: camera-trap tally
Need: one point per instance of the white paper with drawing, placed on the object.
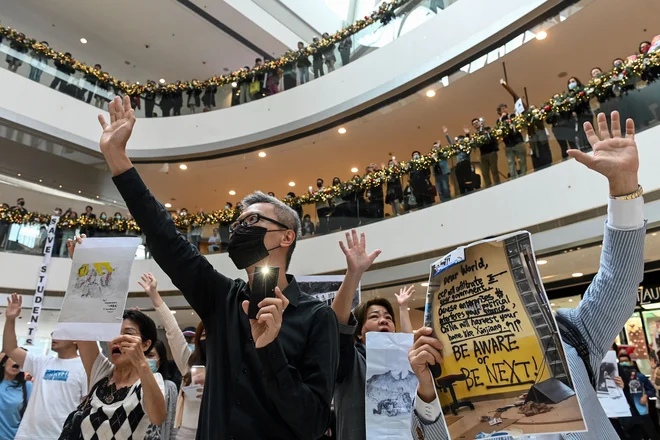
(391, 386)
(95, 298)
(611, 397)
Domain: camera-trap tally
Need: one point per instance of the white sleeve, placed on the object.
(102, 368)
(178, 346)
(428, 412)
(625, 214)
(34, 364)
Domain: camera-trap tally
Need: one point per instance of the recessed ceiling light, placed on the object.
(183, 166)
(354, 170)
(424, 284)
(292, 183)
(40, 180)
(232, 193)
(577, 274)
(79, 192)
(162, 80)
(19, 174)
(408, 308)
(98, 197)
(342, 130)
(83, 40)
(430, 93)
(541, 35)
(570, 300)
(174, 312)
(168, 205)
(114, 201)
(653, 235)
(234, 84)
(60, 186)
(552, 304)
(541, 262)
(262, 154)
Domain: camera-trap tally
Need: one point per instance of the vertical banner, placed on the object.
(42, 279)
(391, 386)
(95, 298)
(325, 287)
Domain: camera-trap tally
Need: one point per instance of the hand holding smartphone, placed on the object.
(264, 282)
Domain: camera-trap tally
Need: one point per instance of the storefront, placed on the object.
(642, 330)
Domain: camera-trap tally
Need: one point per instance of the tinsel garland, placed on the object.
(562, 106)
(384, 14)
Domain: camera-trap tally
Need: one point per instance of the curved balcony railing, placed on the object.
(294, 69)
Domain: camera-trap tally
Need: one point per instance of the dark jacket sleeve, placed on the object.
(199, 282)
(346, 349)
(303, 395)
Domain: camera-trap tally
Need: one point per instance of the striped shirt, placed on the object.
(606, 306)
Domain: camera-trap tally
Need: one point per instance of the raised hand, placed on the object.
(615, 157)
(269, 319)
(14, 304)
(116, 134)
(425, 351)
(71, 244)
(131, 346)
(150, 286)
(355, 251)
(404, 295)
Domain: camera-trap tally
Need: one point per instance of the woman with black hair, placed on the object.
(157, 359)
(14, 395)
(582, 112)
(125, 395)
(187, 406)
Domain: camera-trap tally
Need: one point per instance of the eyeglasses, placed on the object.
(253, 219)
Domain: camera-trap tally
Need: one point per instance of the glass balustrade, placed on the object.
(87, 88)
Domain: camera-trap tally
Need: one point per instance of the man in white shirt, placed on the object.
(606, 306)
(60, 383)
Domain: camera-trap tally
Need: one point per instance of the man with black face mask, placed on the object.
(272, 377)
(20, 206)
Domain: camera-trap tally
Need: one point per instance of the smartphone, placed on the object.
(263, 286)
(198, 375)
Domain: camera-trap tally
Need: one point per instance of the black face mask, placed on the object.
(246, 245)
(202, 347)
(21, 203)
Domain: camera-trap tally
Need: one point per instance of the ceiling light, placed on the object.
(577, 274)
(342, 130)
(234, 84)
(98, 197)
(162, 80)
(40, 180)
(541, 262)
(168, 205)
(424, 284)
(232, 193)
(262, 154)
(174, 312)
(292, 183)
(114, 201)
(570, 300)
(430, 93)
(83, 40)
(408, 308)
(183, 166)
(79, 192)
(354, 170)
(541, 35)
(552, 304)
(19, 174)
(653, 235)
(60, 186)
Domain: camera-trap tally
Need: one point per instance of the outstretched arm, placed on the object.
(403, 297)
(181, 261)
(9, 343)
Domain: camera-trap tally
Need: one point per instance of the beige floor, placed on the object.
(564, 417)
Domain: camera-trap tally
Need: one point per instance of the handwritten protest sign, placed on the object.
(487, 305)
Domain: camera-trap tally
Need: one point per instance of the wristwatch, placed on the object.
(630, 196)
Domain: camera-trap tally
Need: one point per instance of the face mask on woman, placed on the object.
(572, 86)
(416, 156)
(103, 217)
(153, 364)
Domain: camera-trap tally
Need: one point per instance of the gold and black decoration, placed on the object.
(384, 14)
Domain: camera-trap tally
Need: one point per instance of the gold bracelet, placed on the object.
(630, 196)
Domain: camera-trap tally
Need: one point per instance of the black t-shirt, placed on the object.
(514, 137)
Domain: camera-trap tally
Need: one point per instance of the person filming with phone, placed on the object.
(271, 376)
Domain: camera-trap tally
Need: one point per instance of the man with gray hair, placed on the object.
(271, 377)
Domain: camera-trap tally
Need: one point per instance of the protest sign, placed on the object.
(95, 298)
(325, 287)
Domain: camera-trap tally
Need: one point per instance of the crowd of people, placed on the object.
(283, 373)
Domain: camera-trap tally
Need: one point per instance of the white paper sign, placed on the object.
(42, 279)
(325, 287)
(611, 397)
(391, 386)
(95, 298)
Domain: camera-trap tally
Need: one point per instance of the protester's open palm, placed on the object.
(149, 284)
(14, 304)
(122, 119)
(355, 250)
(404, 295)
(615, 155)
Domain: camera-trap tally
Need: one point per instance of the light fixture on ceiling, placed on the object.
(98, 197)
(114, 201)
(162, 80)
(541, 35)
(83, 40)
(262, 154)
(168, 205)
(341, 130)
(234, 84)
(183, 166)
(19, 174)
(570, 300)
(232, 193)
(354, 170)
(424, 284)
(40, 180)
(60, 186)
(430, 93)
(577, 274)
(541, 262)
(552, 304)
(79, 192)
(408, 308)
(174, 312)
(652, 235)
(292, 183)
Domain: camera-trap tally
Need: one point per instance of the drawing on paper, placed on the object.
(94, 281)
(392, 393)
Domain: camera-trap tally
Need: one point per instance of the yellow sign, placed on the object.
(483, 324)
(83, 271)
